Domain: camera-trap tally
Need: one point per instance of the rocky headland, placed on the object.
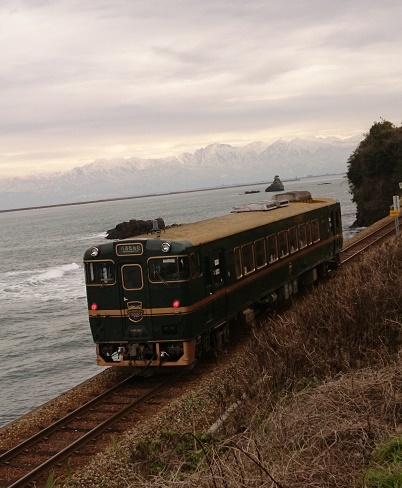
(135, 228)
(276, 185)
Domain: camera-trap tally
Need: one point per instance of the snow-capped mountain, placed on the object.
(210, 166)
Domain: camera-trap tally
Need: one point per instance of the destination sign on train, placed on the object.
(124, 249)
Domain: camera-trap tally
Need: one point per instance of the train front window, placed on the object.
(169, 269)
(100, 273)
(132, 276)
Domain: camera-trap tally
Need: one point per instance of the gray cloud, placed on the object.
(83, 80)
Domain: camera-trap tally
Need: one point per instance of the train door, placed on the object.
(215, 287)
(336, 228)
(135, 304)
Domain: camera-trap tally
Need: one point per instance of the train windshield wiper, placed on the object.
(160, 277)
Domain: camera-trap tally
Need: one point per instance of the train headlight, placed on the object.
(94, 252)
(166, 247)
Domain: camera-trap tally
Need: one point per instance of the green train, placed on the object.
(162, 299)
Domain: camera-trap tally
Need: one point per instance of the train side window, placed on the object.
(195, 265)
(184, 267)
(260, 253)
(272, 242)
(168, 269)
(100, 273)
(283, 243)
(302, 236)
(309, 238)
(293, 241)
(237, 260)
(132, 277)
(247, 257)
(315, 230)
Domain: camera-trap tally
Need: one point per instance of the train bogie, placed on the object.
(159, 301)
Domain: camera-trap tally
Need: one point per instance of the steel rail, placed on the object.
(14, 451)
(366, 241)
(46, 466)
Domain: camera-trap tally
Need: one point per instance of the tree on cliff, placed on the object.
(374, 172)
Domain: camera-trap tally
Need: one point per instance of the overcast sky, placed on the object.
(88, 79)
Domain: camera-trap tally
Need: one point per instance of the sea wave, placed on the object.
(92, 237)
(65, 281)
(54, 273)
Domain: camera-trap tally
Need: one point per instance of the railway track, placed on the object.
(91, 425)
(377, 235)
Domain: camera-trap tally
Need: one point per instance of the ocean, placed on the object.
(45, 343)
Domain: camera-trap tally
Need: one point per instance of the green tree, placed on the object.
(374, 172)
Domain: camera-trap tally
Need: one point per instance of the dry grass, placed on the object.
(321, 437)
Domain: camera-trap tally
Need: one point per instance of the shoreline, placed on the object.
(115, 199)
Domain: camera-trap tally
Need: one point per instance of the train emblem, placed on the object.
(135, 311)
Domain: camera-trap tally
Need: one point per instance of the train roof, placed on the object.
(219, 227)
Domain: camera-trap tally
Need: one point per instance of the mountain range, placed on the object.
(212, 166)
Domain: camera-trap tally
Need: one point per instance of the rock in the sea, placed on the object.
(276, 185)
(134, 228)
